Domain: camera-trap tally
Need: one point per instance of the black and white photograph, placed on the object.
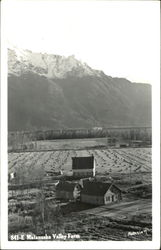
(80, 124)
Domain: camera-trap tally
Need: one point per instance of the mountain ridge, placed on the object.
(49, 65)
(67, 93)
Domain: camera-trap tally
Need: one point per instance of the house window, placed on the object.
(108, 198)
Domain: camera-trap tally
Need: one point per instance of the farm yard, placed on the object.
(125, 209)
(114, 222)
(129, 168)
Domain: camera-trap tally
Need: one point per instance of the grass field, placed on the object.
(71, 143)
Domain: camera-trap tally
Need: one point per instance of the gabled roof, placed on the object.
(83, 162)
(95, 188)
(65, 186)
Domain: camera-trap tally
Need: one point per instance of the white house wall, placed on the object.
(108, 197)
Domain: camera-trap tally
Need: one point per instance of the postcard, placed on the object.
(80, 124)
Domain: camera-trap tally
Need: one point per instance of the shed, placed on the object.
(67, 190)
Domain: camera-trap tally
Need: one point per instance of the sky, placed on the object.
(119, 37)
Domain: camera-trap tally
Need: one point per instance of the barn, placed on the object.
(99, 193)
(83, 166)
(67, 190)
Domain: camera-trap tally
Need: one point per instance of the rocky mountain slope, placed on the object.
(52, 91)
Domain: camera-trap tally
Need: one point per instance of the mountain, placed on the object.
(52, 91)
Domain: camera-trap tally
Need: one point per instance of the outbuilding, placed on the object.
(67, 190)
(83, 166)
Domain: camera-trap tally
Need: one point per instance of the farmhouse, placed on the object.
(83, 166)
(67, 190)
(100, 193)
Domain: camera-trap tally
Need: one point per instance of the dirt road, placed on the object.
(123, 209)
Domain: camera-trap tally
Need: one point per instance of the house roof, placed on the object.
(83, 162)
(65, 186)
(95, 188)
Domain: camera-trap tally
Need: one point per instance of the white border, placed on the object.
(155, 243)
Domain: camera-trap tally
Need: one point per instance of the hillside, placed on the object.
(51, 92)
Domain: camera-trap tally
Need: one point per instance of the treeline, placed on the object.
(23, 137)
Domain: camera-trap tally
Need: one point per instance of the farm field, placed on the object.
(70, 143)
(112, 222)
(121, 161)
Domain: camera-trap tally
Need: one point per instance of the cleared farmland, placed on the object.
(114, 222)
(135, 160)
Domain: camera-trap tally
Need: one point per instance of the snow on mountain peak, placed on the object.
(51, 66)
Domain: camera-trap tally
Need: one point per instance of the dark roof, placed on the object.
(65, 186)
(83, 162)
(95, 188)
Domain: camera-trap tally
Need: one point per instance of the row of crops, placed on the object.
(108, 160)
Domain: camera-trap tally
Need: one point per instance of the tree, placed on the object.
(39, 211)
